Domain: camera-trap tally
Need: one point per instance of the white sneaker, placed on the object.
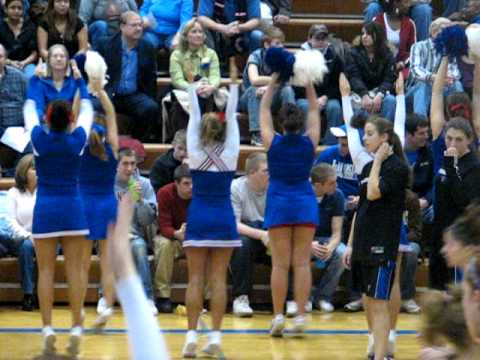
(73, 348)
(410, 307)
(213, 348)
(102, 319)
(308, 307)
(49, 339)
(325, 306)
(190, 347)
(354, 306)
(299, 324)
(370, 346)
(153, 307)
(292, 309)
(101, 305)
(241, 307)
(278, 324)
(392, 337)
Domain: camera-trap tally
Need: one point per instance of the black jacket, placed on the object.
(423, 174)
(329, 86)
(366, 75)
(162, 170)
(111, 50)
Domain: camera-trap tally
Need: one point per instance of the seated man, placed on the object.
(420, 12)
(278, 11)
(248, 201)
(144, 215)
(132, 71)
(256, 77)
(327, 248)
(163, 168)
(173, 200)
(424, 63)
(232, 26)
(12, 97)
(328, 92)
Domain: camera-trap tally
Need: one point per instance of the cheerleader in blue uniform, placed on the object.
(97, 177)
(291, 213)
(213, 144)
(58, 215)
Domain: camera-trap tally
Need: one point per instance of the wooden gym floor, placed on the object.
(337, 336)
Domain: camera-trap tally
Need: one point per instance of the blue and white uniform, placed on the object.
(59, 209)
(97, 179)
(210, 220)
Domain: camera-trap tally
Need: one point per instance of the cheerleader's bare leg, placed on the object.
(380, 321)
(108, 285)
(197, 264)
(302, 249)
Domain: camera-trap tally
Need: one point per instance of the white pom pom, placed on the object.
(95, 66)
(309, 66)
(473, 36)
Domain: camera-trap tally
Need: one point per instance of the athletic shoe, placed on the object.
(101, 305)
(410, 307)
(256, 139)
(190, 347)
(392, 337)
(241, 307)
(278, 324)
(102, 319)
(49, 339)
(164, 305)
(354, 306)
(153, 307)
(213, 348)
(28, 303)
(299, 323)
(325, 306)
(292, 309)
(308, 307)
(73, 348)
(370, 347)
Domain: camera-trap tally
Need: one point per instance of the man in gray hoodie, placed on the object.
(128, 179)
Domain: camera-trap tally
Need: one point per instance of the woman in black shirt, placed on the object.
(61, 25)
(17, 35)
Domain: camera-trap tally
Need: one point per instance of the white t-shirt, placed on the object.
(393, 36)
(20, 210)
(247, 205)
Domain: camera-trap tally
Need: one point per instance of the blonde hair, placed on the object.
(50, 53)
(213, 130)
(183, 43)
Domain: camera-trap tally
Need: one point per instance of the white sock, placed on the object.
(279, 317)
(192, 336)
(76, 331)
(392, 335)
(48, 330)
(215, 337)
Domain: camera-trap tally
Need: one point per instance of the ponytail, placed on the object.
(96, 142)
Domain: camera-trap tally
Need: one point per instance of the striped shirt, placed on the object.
(12, 97)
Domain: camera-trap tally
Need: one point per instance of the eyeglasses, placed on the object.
(133, 25)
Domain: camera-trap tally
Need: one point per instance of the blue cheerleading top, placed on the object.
(97, 176)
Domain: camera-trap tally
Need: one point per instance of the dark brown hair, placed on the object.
(377, 32)
(59, 115)
(8, 2)
(384, 126)
(51, 17)
(213, 129)
(462, 125)
(21, 180)
(180, 172)
(291, 118)
(466, 228)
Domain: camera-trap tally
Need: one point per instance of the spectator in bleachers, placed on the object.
(424, 62)
(61, 25)
(328, 92)
(232, 25)
(193, 61)
(400, 31)
(420, 158)
(57, 82)
(453, 7)
(163, 19)
(20, 203)
(420, 12)
(277, 10)
(173, 200)
(18, 36)
(145, 214)
(471, 298)
(371, 71)
(256, 77)
(12, 96)
(327, 248)
(248, 200)
(103, 16)
(132, 70)
(37, 9)
(163, 169)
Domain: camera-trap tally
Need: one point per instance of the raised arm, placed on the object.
(359, 154)
(400, 112)
(111, 119)
(30, 115)
(437, 116)
(266, 122)
(193, 129)
(313, 116)
(232, 138)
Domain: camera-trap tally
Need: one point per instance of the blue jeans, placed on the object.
(251, 102)
(421, 15)
(96, 31)
(333, 114)
(158, 41)
(451, 6)
(325, 288)
(140, 257)
(255, 40)
(25, 252)
(420, 95)
(408, 272)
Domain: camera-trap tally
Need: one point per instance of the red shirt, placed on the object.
(172, 210)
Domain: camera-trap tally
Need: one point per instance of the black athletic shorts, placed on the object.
(375, 281)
